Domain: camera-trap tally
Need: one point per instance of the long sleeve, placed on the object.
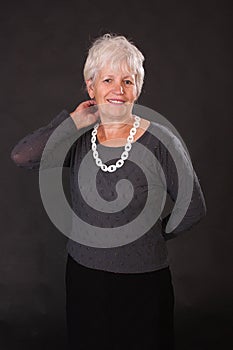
(184, 189)
(28, 151)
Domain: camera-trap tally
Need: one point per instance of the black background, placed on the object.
(187, 46)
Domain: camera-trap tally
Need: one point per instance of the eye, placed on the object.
(107, 80)
(128, 82)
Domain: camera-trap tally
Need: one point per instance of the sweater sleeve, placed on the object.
(28, 151)
(183, 188)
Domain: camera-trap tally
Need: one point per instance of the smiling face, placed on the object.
(114, 91)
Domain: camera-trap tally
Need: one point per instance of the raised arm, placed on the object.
(27, 153)
(184, 189)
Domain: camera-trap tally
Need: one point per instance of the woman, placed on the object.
(119, 296)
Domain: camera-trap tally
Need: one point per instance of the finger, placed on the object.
(91, 102)
(85, 105)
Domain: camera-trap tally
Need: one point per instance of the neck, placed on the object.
(109, 130)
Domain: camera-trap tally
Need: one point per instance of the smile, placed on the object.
(116, 101)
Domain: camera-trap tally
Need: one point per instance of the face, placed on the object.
(114, 91)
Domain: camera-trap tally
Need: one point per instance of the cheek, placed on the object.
(134, 93)
(101, 90)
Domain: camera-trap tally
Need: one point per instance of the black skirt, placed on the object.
(117, 311)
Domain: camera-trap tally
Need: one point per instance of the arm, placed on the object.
(184, 189)
(28, 151)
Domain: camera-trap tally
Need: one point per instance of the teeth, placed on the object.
(115, 101)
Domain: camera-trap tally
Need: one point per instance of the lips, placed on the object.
(115, 101)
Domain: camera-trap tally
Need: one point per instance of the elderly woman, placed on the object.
(119, 296)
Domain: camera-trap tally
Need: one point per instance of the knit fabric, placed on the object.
(153, 172)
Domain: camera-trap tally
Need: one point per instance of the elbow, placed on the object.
(204, 211)
(19, 160)
(201, 214)
(15, 157)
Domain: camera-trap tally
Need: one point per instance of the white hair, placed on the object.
(115, 50)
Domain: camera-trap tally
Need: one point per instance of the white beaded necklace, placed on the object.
(125, 153)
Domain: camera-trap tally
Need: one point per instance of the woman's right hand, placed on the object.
(85, 114)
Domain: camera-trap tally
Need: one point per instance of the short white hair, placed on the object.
(115, 50)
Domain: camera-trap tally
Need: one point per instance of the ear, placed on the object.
(90, 90)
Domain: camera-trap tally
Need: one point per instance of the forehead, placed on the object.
(121, 69)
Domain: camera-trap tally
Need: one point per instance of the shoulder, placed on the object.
(170, 145)
(165, 135)
(162, 130)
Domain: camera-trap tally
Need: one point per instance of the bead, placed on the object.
(111, 168)
(95, 154)
(104, 167)
(133, 131)
(93, 147)
(119, 163)
(128, 147)
(98, 162)
(130, 138)
(125, 155)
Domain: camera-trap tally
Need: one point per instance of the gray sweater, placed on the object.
(149, 251)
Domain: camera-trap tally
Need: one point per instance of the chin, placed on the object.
(115, 111)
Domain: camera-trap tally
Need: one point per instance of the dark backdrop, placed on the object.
(188, 80)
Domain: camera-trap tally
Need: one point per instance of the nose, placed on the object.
(118, 88)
